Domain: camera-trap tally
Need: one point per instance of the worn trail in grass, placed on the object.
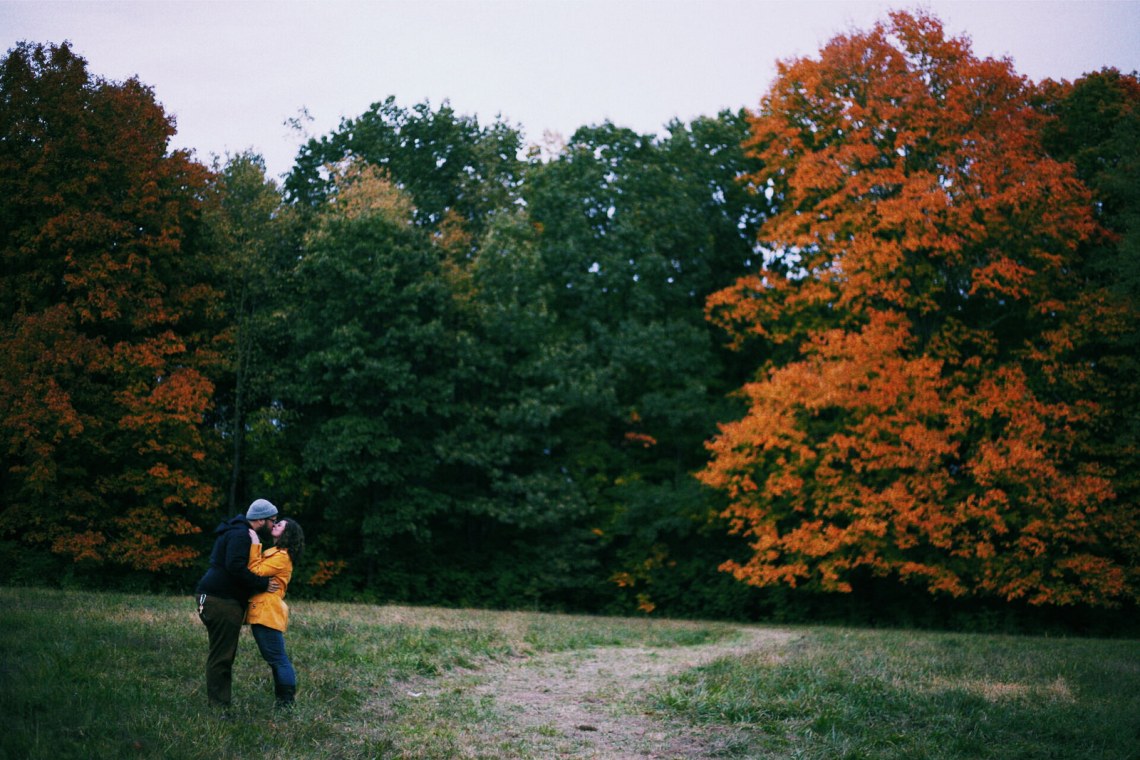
(588, 703)
(118, 675)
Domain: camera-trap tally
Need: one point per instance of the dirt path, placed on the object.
(581, 704)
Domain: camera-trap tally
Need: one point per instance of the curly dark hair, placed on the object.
(292, 538)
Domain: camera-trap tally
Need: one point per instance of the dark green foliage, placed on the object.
(479, 417)
(444, 161)
(634, 232)
(251, 233)
(371, 382)
(1096, 126)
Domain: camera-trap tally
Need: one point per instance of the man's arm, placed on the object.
(237, 562)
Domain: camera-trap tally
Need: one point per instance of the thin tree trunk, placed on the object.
(238, 431)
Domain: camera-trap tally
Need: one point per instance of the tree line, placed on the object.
(867, 350)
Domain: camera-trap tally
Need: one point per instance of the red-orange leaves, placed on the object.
(917, 308)
(105, 319)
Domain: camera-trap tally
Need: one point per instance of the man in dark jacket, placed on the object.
(224, 591)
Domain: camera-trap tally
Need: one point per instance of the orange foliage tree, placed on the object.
(105, 321)
(917, 310)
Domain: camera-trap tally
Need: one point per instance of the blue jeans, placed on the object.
(272, 645)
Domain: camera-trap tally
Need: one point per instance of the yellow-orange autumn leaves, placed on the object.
(916, 308)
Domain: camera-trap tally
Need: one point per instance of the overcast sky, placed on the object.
(232, 71)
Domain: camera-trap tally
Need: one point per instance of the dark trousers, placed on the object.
(223, 619)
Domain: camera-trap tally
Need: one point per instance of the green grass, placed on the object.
(555, 633)
(121, 676)
(903, 694)
(110, 675)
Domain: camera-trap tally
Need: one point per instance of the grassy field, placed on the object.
(114, 675)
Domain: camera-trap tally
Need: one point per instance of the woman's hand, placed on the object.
(253, 537)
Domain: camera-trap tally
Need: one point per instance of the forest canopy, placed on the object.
(867, 349)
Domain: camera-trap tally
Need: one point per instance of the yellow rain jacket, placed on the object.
(269, 608)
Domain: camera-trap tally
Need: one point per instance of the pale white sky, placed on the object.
(233, 71)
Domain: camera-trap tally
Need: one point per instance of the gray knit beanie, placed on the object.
(260, 510)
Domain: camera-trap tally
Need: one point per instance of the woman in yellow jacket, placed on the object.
(268, 615)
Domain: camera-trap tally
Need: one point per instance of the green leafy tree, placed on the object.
(534, 443)
(457, 173)
(635, 232)
(517, 528)
(371, 374)
(250, 232)
(1096, 126)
